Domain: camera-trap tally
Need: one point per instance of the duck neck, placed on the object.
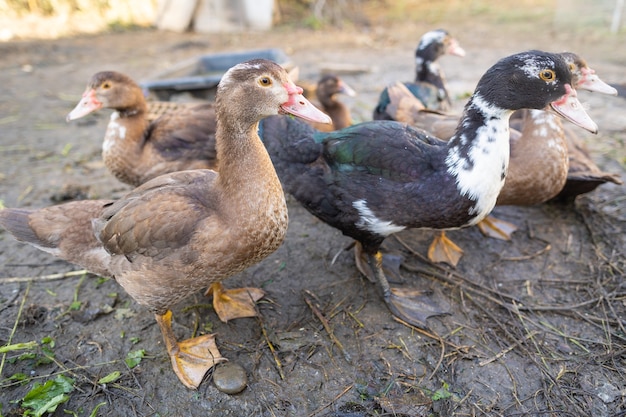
(478, 154)
(542, 125)
(245, 169)
(428, 71)
(339, 113)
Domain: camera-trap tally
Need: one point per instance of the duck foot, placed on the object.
(444, 250)
(498, 229)
(192, 358)
(390, 264)
(410, 305)
(413, 306)
(235, 303)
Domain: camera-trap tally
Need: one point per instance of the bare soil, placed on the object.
(536, 324)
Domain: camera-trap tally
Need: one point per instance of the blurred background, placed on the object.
(50, 19)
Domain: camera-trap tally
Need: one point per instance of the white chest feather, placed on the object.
(115, 131)
(480, 168)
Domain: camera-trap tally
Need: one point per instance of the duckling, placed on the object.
(184, 231)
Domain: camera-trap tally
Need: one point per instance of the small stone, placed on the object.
(230, 378)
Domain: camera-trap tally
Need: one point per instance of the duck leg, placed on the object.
(390, 264)
(410, 305)
(443, 249)
(191, 358)
(235, 303)
(499, 229)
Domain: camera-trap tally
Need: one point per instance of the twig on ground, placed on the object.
(547, 248)
(17, 320)
(327, 327)
(507, 350)
(277, 361)
(50, 277)
(341, 394)
(432, 336)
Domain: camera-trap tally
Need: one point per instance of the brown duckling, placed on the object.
(184, 231)
(136, 149)
(327, 91)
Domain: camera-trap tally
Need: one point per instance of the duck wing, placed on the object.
(140, 222)
(187, 134)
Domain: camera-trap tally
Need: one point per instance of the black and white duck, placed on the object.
(545, 155)
(377, 178)
(430, 84)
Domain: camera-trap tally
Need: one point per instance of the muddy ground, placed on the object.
(536, 325)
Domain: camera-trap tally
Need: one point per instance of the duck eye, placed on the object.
(106, 85)
(572, 67)
(265, 82)
(547, 75)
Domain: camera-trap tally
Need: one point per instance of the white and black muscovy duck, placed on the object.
(377, 178)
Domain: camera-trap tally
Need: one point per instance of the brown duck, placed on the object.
(136, 147)
(329, 87)
(182, 232)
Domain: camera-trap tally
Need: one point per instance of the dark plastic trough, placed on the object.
(199, 76)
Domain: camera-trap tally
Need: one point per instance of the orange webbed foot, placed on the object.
(234, 303)
(443, 249)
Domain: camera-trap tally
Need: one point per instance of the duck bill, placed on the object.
(299, 106)
(88, 104)
(591, 82)
(346, 89)
(571, 109)
(455, 49)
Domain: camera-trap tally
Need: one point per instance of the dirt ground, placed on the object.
(536, 324)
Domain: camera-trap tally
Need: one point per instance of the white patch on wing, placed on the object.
(480, 178)
(114, 132)
(368, 221)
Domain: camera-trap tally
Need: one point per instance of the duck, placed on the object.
(584, 175)
(535, 136)
(429, 85)
(376, 178)
(329, 87)
(184, 231)
(136, 147)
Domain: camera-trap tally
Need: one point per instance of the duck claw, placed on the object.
(195, 358)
